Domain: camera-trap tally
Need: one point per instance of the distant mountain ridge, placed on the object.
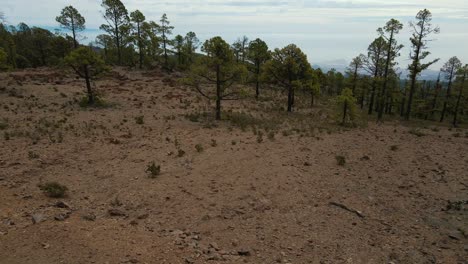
(340, 65)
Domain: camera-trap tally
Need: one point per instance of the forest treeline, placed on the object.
(221, 71)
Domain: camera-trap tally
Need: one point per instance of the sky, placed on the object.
(328, 31)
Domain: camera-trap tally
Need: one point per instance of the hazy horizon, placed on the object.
(324, 30)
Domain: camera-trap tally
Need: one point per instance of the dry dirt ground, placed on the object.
(244, 198)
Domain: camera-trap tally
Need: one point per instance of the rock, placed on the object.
(243, 252)
(62, 217)
(455, 236)
(116, 212)
(189, 261)
(37, 218)
(45, 245)
(62, 204)
(89, 217)
(143, 216)
(214, 246)
(214, 256)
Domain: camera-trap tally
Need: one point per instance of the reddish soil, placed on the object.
(282, 200)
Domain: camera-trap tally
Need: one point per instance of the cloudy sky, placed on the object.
(325, 30)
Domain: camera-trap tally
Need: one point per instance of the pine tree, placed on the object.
(86, 65)
(138, 19)
(217, 68)
(165, 30)
(287, 67)
(450, 68)
(461, 78)
(392, 28)
(117, 26)
(72, 20)
(257, 55)
(421, 30)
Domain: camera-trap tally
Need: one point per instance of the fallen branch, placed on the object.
(342, 206)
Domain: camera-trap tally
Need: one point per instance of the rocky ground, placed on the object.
(227, 192)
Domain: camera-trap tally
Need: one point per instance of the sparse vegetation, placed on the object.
(199, 148)
(54, 189)
(153, 170)
(180, 153)
(214, 143)
(33, 155)
(417, 132)
(259, 137)
(340, 160)
(139, 120)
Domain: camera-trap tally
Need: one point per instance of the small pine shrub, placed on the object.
(140, 120)
(286, 133)
(180, 153)
(33, 155)
(3, 125)
(341, 160)
(417, 132)
(346, 112)
(54, 189)
(153, 170)
(260, 137)
(98, 102)
(199, 148)
(271, 135)
(214, 143)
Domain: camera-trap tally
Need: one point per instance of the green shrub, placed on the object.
(199, 148)
(153, 170)
(33, 155)
(214, 143)
(98, 102)
(260, 137)
(180, 153)
(54, 189)
(341, 160)
(271, 135)
(139, 120)
(3, 125)
(417, 132)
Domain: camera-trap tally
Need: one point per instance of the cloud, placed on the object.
(325, 29)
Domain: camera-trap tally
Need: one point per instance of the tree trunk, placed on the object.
(165, 50)
(460, 94)
(384, 86)
(414, 73)
(447, 97)
(436, 94)
(140, 46)
(117, 41)
(257, 86)
(372, 97)
(312, 99)
(345, 110)
(290, 99)
(218, 93)
(355, 78)
(75, 43)
(88, 86)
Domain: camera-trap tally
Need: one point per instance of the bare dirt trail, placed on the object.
(236, 201)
